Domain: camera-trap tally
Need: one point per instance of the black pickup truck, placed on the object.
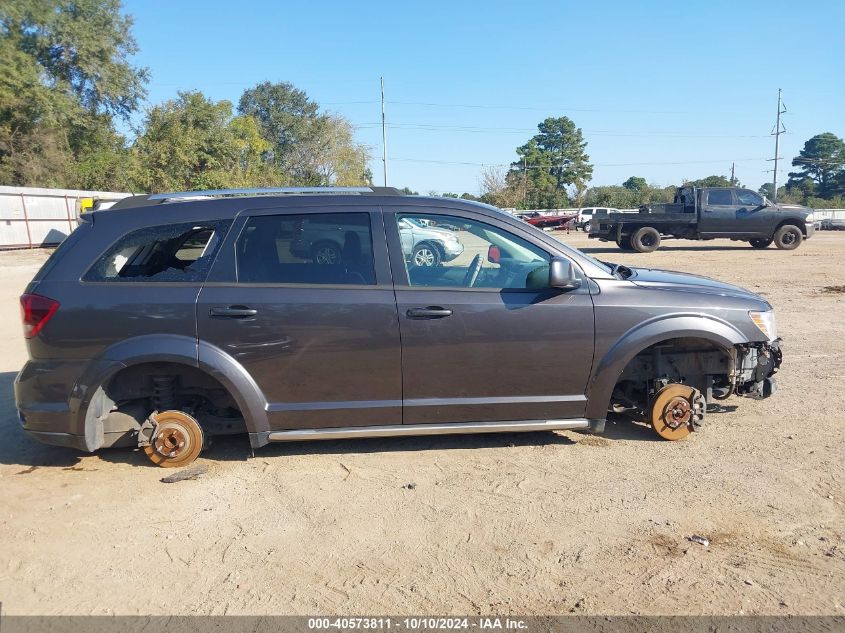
(706, 213)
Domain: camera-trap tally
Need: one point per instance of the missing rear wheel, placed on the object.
(177, 440)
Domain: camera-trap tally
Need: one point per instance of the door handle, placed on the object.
(431, 312)
(233, 312)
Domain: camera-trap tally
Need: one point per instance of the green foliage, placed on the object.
(549, 162)
(409, 192)
(64, 72)
(624, 198)
(635, 183)
(308, 147)
(712, 181)
(194, 143)
(767, 189)
(821, 167)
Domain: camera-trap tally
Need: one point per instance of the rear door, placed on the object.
(302, 298)
(718, 212)
(483, 337)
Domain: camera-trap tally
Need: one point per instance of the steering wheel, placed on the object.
(472, 272)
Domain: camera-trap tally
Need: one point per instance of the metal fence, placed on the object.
(31, 217)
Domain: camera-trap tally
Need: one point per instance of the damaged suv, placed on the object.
(172, 318)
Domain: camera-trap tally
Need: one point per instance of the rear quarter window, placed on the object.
(170, 252)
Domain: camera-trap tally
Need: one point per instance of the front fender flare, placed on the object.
(662, 328)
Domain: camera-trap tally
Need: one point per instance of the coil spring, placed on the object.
(164, 393)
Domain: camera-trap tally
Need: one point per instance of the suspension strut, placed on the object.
(164, 393)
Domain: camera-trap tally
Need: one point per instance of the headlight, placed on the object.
(765, 321)
(809, 218)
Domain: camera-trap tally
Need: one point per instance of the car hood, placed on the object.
(435, 232)
(686, 282)
(795, 207)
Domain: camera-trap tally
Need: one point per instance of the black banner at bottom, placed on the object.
(423, 624)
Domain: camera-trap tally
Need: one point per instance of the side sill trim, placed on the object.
(426, 429)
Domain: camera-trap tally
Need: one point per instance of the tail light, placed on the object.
(36, 311)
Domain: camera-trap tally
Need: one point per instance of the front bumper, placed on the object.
(756, 365)
(451, 250)
(811, 228)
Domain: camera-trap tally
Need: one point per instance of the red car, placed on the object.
(551, 221)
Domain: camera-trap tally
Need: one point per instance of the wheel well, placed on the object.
(794, 222)
(697, 362)
(432, 244)
(134, 392)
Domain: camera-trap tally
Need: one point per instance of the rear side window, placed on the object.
(172, 252)
(720, 197)
(320, 248)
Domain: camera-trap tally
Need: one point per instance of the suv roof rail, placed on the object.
(382, 191)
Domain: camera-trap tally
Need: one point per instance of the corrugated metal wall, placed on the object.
(31, 216)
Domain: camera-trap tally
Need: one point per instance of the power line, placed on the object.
(432, 127)
(489, 106)
(549, 166)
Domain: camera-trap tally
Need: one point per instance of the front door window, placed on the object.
(452, 252)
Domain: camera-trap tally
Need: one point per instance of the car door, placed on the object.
(719, 212)
(753, 217)
(483, 337)
(302, 298)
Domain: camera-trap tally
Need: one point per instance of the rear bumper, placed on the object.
(65, 440)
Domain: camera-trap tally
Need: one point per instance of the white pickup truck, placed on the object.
(586, 214)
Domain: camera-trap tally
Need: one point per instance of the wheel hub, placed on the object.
(177, 439)
(170, 442)
(676, 410)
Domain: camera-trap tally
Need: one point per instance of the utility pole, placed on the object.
(733, 174)
(383, 133)
(524, 181)
(777, 131)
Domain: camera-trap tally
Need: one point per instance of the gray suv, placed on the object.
(166, 320)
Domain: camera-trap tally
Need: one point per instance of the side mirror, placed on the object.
(562, 274)
(494, 255)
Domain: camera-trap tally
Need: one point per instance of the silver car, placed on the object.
(428, 245)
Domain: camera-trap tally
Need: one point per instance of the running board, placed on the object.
(399, 430)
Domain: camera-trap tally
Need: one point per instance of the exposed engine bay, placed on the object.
(673, 384)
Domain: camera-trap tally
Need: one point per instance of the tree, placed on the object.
(328, 155)
(635, 183)
(549, 162)
(711, 181)
(192, 142)
(821, 165)
(308, 147)
(64, 73)
(497, 190)
(767, 189)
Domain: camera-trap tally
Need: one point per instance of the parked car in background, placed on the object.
(832, 224)
(585, 215)
(325, 241)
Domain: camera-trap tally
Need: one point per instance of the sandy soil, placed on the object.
(537, 523)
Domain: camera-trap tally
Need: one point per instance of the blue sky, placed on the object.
(663, 90)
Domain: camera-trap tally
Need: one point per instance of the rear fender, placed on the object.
(90, 404)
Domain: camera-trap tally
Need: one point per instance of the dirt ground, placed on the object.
(540, 523)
